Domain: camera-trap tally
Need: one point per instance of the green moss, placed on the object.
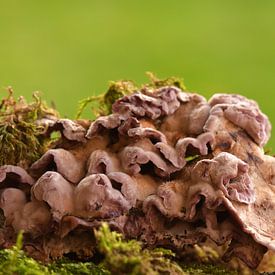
(128, 257)
(14, 261)
(102, 104)
(22, 140)
(65, 267)
(170, 81)
(120, 257)
(206, 269)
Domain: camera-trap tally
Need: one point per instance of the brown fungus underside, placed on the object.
(131, 169)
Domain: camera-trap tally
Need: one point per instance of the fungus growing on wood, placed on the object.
(165, 167)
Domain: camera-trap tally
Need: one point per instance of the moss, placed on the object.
(14, 261)
(199, 269)
(102, 104)
(65, 267)
(128, 257)
(22, 140)
(170, 81)
(120, 257)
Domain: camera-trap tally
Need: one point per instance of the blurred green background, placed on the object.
(71, 49)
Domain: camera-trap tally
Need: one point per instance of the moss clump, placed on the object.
(128, 257)
(102, 104)
(123, 257)
(14, 261)
(65, 267)
(170, 81)
(22, 139)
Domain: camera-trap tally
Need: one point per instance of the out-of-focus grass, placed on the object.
(71, 49)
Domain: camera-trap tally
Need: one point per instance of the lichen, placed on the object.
(22, 140)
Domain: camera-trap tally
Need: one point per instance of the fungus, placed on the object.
(165, 167)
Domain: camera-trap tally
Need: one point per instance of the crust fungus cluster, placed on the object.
(166, 167)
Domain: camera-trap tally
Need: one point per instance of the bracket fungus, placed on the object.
(132, 169)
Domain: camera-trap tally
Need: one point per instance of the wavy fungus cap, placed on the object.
(166, 167)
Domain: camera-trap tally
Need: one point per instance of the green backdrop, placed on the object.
(71, 49)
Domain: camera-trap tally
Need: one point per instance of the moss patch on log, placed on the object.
(22, 139)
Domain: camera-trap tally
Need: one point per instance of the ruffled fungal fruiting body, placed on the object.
(131, 169)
